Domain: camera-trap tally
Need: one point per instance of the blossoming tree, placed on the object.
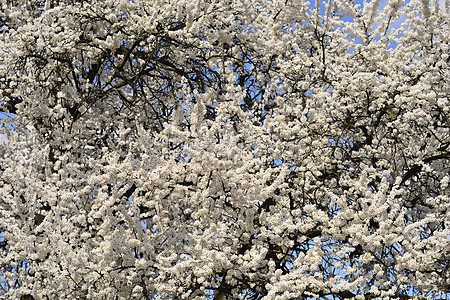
(224, 149)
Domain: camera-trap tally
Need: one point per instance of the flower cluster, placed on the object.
(224, 149)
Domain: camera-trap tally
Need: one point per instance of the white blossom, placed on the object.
(224, 149)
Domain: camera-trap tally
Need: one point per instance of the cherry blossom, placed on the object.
(224, 149)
